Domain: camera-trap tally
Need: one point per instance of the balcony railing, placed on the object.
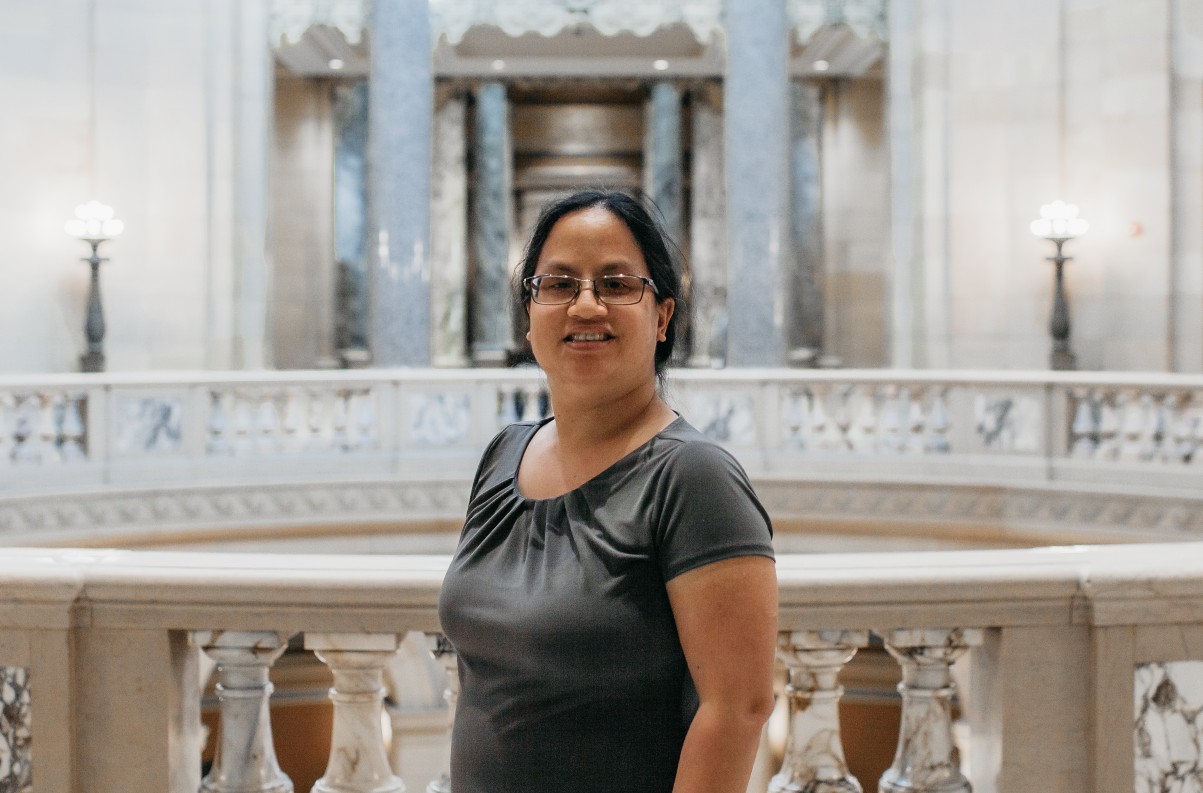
(148, 453)
(1085, 664)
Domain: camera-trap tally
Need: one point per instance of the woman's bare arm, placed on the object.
(726, 615)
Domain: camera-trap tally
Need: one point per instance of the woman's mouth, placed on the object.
(593, 336)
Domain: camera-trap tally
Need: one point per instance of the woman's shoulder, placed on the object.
(689, 450)
(504, 452)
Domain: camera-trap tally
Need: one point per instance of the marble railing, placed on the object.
(1120, 452)
(1084, 665)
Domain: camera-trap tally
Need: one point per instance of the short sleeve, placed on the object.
(708, 511)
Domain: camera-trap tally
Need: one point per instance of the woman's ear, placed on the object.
(664, 312)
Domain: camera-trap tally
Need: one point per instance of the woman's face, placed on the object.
(587, 341)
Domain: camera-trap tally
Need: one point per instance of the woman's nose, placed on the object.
(586, 302)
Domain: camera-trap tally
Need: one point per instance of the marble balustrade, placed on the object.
(1085, 665)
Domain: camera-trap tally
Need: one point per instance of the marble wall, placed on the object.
(15, 770)
(1169, 727)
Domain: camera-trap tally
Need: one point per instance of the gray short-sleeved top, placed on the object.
(572, 677)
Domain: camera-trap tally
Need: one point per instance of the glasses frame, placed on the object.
(532, 288)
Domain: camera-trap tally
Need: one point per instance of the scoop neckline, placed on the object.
(534, 428)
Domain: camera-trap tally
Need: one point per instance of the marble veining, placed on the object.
(1168, 739)
(15, 769)
(1007, 423)
(726, 418)
(148, 424)
(439, 419)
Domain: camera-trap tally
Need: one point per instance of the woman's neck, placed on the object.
(589, 423)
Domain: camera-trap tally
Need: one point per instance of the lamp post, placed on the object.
(1059, 222)
(94, 223)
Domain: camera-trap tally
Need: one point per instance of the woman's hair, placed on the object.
(660, 252)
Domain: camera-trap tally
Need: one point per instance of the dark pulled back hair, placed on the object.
(640, 216)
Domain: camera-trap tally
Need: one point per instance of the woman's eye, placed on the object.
(615, 285)
(555, 286)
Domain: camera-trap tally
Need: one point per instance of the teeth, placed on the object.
(588, 337)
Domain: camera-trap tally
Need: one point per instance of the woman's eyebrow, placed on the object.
(611, 268)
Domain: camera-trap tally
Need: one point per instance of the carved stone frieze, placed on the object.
(291, 18)
(99, 515)
(549, 17)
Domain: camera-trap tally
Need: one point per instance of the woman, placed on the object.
(613, 597)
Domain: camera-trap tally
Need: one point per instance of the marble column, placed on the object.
(806, 187)
(814, 753)
(246, 757)
(350, 215)
(252, 130)
(357, 763)
(491, 221)
(927, 757)
(756, 134)
(400, 110)
(707, 231)
(449, 231)
(662, 156)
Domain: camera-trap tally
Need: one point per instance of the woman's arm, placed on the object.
(726, 615)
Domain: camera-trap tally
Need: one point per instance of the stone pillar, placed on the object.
(246, 758)
(708, 231)
(806, 187)
(252, 131)
(358, 763)
(927, 758)
(400, 109)
(662, 160)
(351, 334)
(449, 232)
(491, 223)
(756, 134)
(814, 752)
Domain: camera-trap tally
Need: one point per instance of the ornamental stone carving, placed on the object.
(291, 18)
(453, 18)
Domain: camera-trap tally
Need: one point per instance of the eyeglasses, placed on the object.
(613, 290)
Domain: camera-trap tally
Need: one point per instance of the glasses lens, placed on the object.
(619, 290)
(553, 289)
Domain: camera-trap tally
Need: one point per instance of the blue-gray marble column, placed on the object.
(756, 135)
(662, 160)
(806, 213)
(707, 231)
(400, 107)
(490, 231)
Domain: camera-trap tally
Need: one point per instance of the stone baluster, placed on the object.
(338, 421)
(532, 403)
(22, 430)
(292, 421)
(444, 653)
(267, 424)
(927, 758)
(862, 436)
(316, 419)
(246, 759)
(365, 419)
(218, 426)
(358, 762)
(1182, 435)
(507, 405)
(822, 429)
(1109, 426)
(814, 752)
(1131, 426)
(244, 424)
(794, 419)
(7, 421)
(911, 398)
(1154, 443)
(891, 420)
(938, 424)
(1084, 430)
(841, 417)
(72, 429)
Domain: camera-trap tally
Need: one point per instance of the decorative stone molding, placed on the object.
(291, 18)
(453, 18)
(866, 18)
